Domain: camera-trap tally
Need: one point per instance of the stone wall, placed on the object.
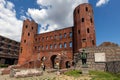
(113, 66)
(111, 54)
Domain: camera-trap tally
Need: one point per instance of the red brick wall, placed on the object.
(84, 31)
(26, 47)
(43, 43)
(56, 44)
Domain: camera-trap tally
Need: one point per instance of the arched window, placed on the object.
(55, 46)
(28, 34)
(60, 36)
(70, 44)
(82, 19)
(50, 46)
(42, 47)
(65, 45)
(65, 35)
(86, 8)
(88, 30)
(60, 45)
(70, 34)
(46, 46)
(26, 26)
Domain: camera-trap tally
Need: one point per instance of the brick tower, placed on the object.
(27, 41)
(83, 31)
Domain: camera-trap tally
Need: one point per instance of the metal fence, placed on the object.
(113, 66)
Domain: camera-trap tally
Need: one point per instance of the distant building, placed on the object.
(57, 46)
(9, 51)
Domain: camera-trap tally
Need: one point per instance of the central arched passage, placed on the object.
(53, 60)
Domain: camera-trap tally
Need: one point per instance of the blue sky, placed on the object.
(57, 14)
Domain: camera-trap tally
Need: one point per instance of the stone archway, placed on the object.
(67, 63)
(53, 57)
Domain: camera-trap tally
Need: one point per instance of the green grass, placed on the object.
(99, 75)
(74, 73)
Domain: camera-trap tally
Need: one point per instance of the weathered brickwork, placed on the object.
(57, 46)
(84, 31)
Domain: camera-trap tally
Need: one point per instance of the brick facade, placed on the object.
(57, 46)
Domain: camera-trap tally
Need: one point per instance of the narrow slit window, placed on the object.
(88, 30)
(91, 20)
(82, 19)
(86, 8)
(78, 11)
(32, 28)
(93, 42)
(78, 31)
(26, 26)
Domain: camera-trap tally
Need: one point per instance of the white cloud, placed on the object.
(10, 26)
(60, 15)
(101, 2)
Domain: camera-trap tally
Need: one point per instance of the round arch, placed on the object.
(67, 64)
(53, 57)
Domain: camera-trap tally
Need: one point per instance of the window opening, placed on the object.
(78, 31)
(88, 30)
(82, 19)
(65, 45)
(60, 45)
(70, 44)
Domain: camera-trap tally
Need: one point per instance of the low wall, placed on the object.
(111, 54)
(113, 67)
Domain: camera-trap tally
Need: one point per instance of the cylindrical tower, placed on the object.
(83, 31)
(27, 41)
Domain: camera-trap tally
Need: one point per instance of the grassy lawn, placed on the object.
(99, 75)
(95, 75)
(74, 73)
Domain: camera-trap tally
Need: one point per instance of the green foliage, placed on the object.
(99, 75)
(74, 73)
(3, 65)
